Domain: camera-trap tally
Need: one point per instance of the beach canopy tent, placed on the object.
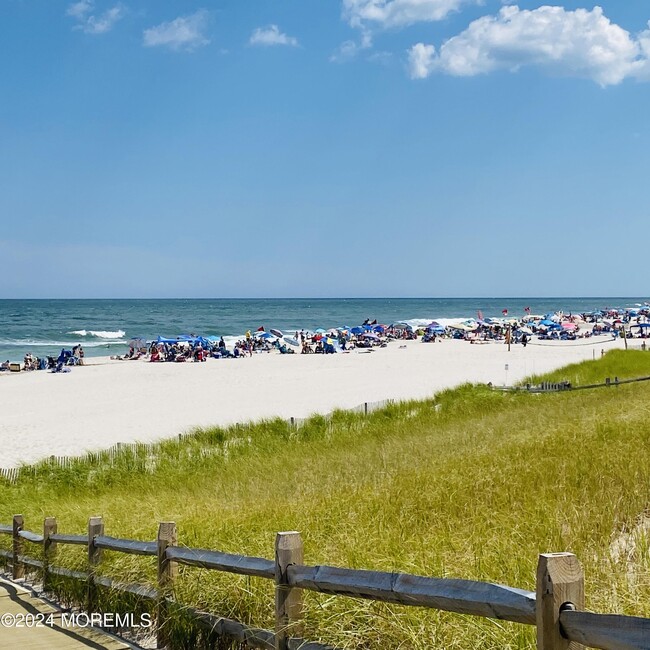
(435, 328)
(184, 338)
(459, 326)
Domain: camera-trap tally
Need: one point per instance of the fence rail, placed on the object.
(556, 387)
(556, 607)
(109, 456)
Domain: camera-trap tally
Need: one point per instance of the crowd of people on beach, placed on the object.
(62, 363)
(370, 335)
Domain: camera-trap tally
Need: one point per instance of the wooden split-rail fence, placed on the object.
(558, 386)
(110, 455)
(556, 608)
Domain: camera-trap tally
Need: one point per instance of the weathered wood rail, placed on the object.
(559, 386)
(556, 608)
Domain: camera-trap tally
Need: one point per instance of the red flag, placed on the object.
(260, 329)
(504, 312)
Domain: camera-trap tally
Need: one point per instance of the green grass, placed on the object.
(471, 484)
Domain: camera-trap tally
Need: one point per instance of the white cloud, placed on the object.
(349, 49)
(271, 35)
(79, 9)
(398, 13)
(183, 33)
(578, 43)
(421, 60)
(91, 23)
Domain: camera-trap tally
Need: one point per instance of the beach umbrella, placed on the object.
(320, 330)
(357, 330)
(267, 335)
(568, 326)
(370, 335)
(291, 341)
(525, 330)
(277, 333)
(137, 342)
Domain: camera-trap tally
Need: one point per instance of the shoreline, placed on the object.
(107, 401)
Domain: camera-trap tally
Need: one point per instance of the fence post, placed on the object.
(18, 568)
(559, 581)
(288, 601)
(95, 528)
(167, 571)
(49, 548)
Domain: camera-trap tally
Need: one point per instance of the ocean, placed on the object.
(104, 327)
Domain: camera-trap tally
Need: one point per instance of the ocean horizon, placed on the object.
(104, 326)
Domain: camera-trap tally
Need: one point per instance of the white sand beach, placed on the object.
(106, 401)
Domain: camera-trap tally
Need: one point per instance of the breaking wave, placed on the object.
(100, 334)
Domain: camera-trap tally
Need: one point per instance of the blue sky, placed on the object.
(324, 148)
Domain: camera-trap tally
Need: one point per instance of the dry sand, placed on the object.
(105, 402)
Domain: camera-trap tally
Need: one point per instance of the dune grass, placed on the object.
(473, 484)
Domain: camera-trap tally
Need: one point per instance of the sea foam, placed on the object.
(100, 334)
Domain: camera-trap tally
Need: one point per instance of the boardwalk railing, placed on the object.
(556, 608)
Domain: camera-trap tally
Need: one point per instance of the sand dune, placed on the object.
(109, 401)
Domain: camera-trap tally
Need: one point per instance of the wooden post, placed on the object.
(167, 572)
(18, 568)
(95, 528)
(49, 548)
(560, 582)
(288, 601)
(624, 336)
